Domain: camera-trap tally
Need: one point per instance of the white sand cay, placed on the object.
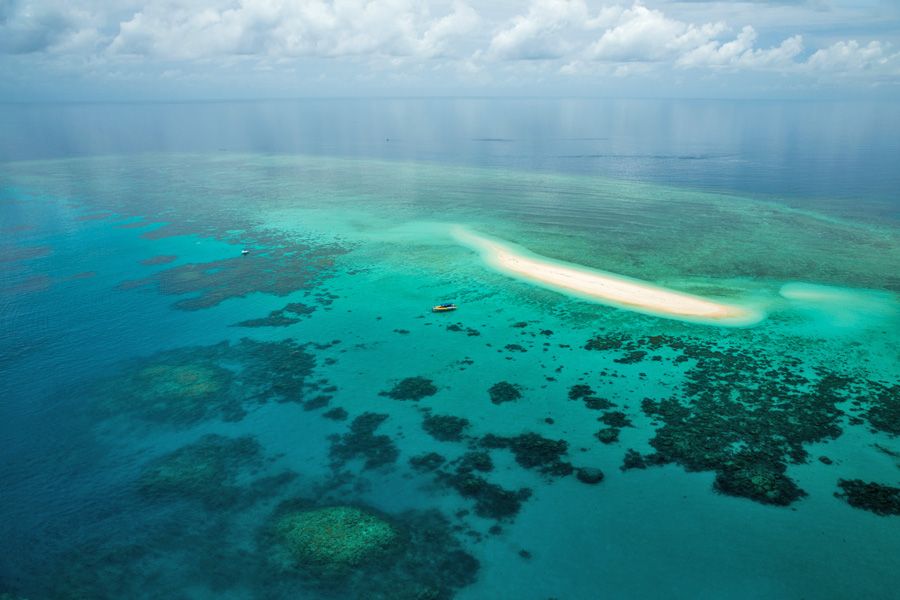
(599, 286)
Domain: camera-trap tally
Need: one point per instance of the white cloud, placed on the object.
(642, 34)
(279, 28)
(542, 33)
(447, 40)
(844, 57)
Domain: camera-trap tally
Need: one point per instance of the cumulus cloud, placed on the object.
(282, 28)
(852, 57)
(541, 33)
(642, 34)
(456, 37)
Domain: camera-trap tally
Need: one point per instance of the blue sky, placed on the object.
(205, 49)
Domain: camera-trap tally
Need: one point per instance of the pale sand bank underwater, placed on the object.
(600, 286)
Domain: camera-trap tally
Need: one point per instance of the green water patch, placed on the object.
(185, 386)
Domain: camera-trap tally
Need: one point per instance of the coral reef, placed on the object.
(287, 315)
(207, 472)
(336, 414)
(585, 393)
(878, 498)
(411, 388)
(362, 442)
(474, 461)
(740, 411)
(615, 419)
(491, 500)
(459, 327)
(504, 391)
(192, 384)
(884, 407)
(534, 452)
(608, 435)
(276, 270)
(354, 551)
(445, 428)
(757, 478)
(334, 537)
(589, 475)
(316, 403)
(427, 462)
(633, 460)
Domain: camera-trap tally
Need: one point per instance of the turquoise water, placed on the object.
(169, 406)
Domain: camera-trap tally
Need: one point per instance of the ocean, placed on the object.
(221, 376)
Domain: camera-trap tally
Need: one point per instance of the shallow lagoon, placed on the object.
(119, 365)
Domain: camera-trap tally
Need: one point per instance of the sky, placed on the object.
(90, 50)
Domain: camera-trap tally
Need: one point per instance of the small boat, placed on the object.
(443, 308)
(245, 252)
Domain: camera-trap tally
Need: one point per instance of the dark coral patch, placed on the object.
(579, 391)
(505, 392)
(411, 388)
(533, 451)
(362, 442)
(878, 498)
(615, 419)
(429, 461)
(475, 461)
(759, 479)
(884, 411)
(445, 428)
(491, 500)
(288, 315)
(336, 414)
(608, 435)
(602, 342)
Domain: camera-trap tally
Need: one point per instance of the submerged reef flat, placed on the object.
(276, 271)
(608, 288)
(188, 385)
(354, 551)
(207, 471)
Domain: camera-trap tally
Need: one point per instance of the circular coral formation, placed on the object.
(335, 537)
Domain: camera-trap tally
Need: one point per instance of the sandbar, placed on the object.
(600, 286)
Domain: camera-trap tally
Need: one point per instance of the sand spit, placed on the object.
(599, 286)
